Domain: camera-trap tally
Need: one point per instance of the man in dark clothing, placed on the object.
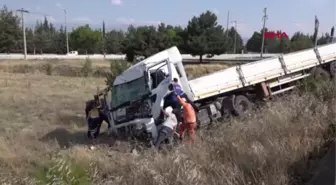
(171, 99)
(94, 118)
(179, 92)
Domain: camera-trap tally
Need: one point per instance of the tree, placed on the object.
(30, 40)
(59, 41)
(232, 33)
(86, 40)
(44, 37)
(114, 41)
(284, 45)
(254, 43)
(300, 41)
(271, 45)
(205, 36)
(142, 41)
(10, 32)
(324, 39)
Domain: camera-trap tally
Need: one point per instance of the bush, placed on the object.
(322, 89)
(62, 171)
(87, 68)
(23, 68)
(48, 68)
(116, 68)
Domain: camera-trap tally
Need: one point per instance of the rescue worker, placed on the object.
(94, 118)
(189, 120)
(168, 127)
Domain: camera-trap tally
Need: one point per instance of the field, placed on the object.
(98, 68)
(42, 135)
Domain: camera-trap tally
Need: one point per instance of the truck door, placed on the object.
(161, 74)
(173, 73)
(160, 80)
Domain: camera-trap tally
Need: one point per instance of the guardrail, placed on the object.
(223, 57)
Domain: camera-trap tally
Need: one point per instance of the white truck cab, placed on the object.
(138, 93)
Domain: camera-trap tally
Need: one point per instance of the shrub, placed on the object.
(116, 68)
(48, 68)
(87, 68)
(322, 89)
(62, 171)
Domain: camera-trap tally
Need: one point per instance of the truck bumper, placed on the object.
(146, 124)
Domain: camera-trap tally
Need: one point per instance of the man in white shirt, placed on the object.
(168, 126)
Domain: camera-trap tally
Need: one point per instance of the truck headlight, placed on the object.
(121, 112)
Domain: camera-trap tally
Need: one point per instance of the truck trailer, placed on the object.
(138, 94)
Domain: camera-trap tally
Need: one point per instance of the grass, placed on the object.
(42, 130)
(85, 68)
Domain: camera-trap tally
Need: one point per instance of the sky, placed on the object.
(287, 15)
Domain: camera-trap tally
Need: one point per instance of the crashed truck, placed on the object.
(138, 94)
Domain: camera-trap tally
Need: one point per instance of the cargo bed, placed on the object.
(260, 71)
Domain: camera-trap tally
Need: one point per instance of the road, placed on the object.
(234, 61)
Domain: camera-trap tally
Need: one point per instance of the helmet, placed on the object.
(169, 109)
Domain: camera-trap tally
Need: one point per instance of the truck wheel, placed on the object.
(227, 107)
(242, 106)
(332, 68)
(321, 74)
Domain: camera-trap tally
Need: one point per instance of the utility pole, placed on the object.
(24, 32)
(235, 37)
(104, 40)
(316, 28)
(66, 30)
(332, 34)
(263, 32)
(227, 24)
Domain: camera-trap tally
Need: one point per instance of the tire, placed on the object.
(227, 107)
(321, 74)
(242, 106)
(332, 69)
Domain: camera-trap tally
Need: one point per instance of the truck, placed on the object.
(139, 92)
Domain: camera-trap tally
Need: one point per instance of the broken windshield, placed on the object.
(129, 91)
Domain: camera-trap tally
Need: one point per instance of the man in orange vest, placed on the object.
(189, 120)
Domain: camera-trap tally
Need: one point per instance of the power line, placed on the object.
(39, 13)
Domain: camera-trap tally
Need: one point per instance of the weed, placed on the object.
(48, 68)
(62, 171)
(116, 68)
(87, 68)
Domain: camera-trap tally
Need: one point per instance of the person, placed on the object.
(189, 120)
(168, 127)
(94, 118)
(178, 89)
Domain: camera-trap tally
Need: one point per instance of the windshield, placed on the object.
(128, 91)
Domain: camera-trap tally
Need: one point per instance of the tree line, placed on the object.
(202, 35)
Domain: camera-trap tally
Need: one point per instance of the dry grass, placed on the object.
(73, 68)
(42, 116)
(197, 70)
